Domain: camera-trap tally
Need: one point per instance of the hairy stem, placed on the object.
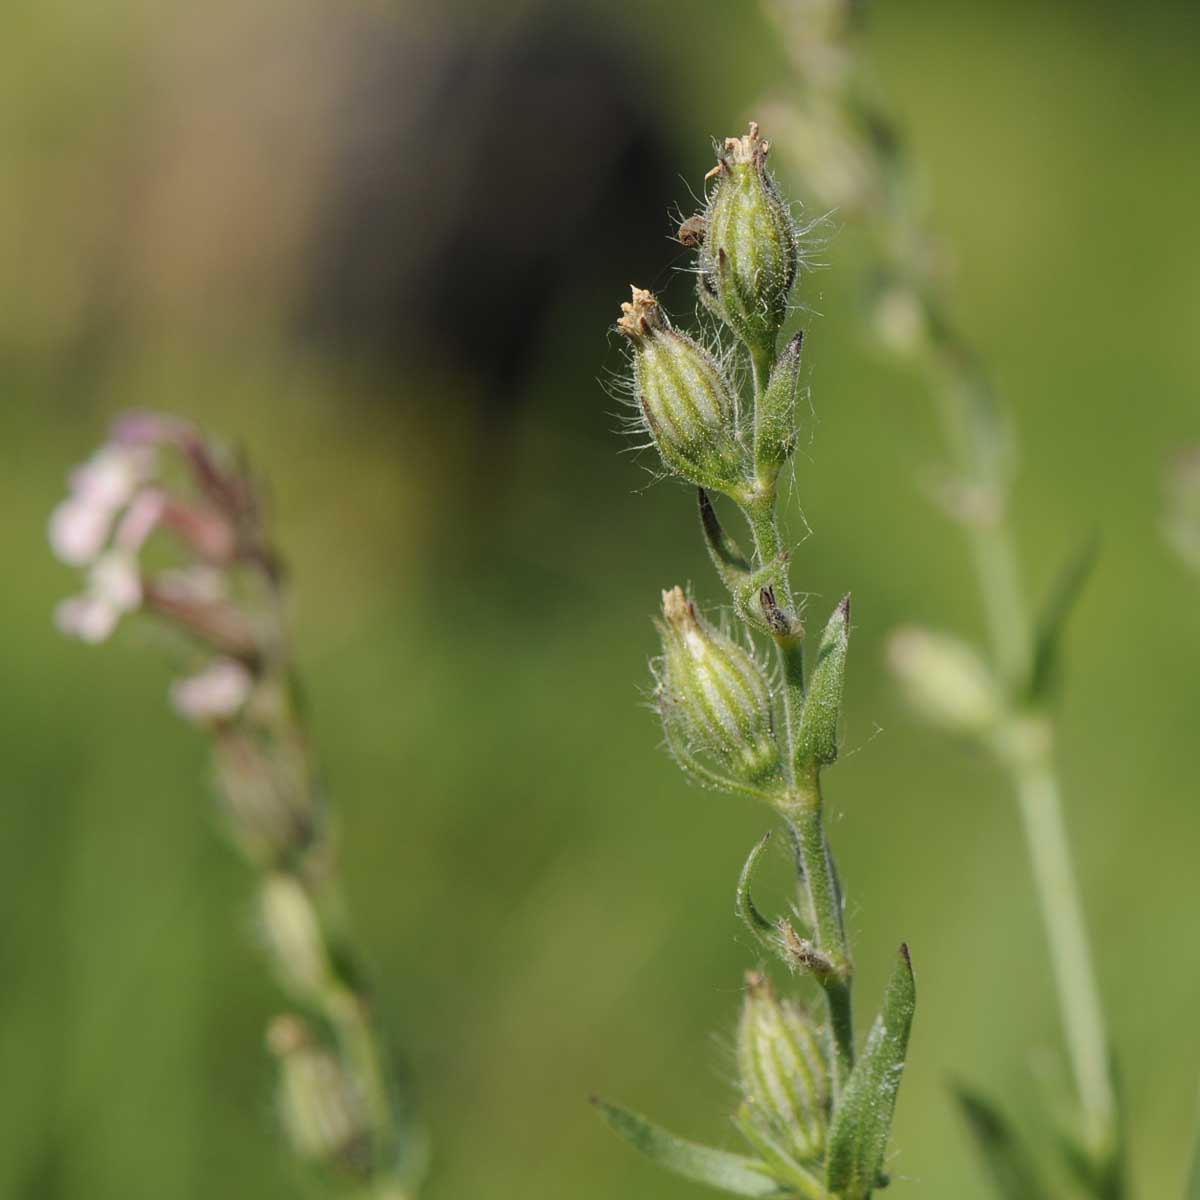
(807, 819)
(768, 546)
(805, 808)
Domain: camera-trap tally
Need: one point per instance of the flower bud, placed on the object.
(686, 402)
(323, 1111)
(750, 254)
(217, 693)
(293, 933)
(713, 692)
(784, 1071)
(946, 681)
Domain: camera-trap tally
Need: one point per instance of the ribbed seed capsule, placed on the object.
(784, 1070)
(322, 1109)
(750, 254)
(713, 693)
(685, 400)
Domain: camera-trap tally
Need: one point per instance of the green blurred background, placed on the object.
(381, 246)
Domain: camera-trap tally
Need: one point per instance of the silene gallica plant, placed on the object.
(815, 1109)
(165, 522)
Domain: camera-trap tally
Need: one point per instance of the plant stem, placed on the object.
(996, 570)
(804, 808)
(807, 819)
(1035, 783)
(768, 545)
(1058, 894)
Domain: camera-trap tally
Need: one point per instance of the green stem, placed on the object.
(996, 569)
(1038, 794)
(806, 817)
(1083, 1022)
(804, 805)
(768, 546)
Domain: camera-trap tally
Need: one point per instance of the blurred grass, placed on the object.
(546, 903)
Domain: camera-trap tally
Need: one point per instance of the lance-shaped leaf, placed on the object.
(733, 1173)
(817, 739)
(775, 433)
(862, 1122)
(762, 929)
(1012, 1171)
(732, 565)
(1051, 626)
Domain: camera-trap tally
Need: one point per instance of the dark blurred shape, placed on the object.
(461, 209)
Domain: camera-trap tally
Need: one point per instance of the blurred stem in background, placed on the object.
(853, 160)
(1181, 527)
(223, 591)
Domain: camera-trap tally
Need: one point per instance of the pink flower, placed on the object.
(216, 693)
(81, 524)
(114, 587)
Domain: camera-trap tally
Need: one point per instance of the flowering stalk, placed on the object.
(815, 1114)
(155, 476)
(852, 157)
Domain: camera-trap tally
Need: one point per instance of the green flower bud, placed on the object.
(946, 681)
(713, 694)
(686, 402)
(750, 255)
(784, 1071)
(323, 1111)
(293, 934)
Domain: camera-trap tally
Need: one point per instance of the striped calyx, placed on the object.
(687, 404)
(322, 1109)
(712, 694)
(784, 1072)
(749, 257)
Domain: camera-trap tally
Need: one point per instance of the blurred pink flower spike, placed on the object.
(217, 693)
(114, 588)
(80, 525)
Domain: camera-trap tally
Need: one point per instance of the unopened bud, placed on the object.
(323, 1111)
(687, 404)
(946, 680)
(714, 692)
(293, 933)
(217, 693)
(784, 1070)
(750, 255)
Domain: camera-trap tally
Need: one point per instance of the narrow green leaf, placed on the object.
(733, 1173)
(775, 435)
(1052, 622)
(759, 926)
(862, 1122)
(732, 565)
(817, 738)
(1010, 1167)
